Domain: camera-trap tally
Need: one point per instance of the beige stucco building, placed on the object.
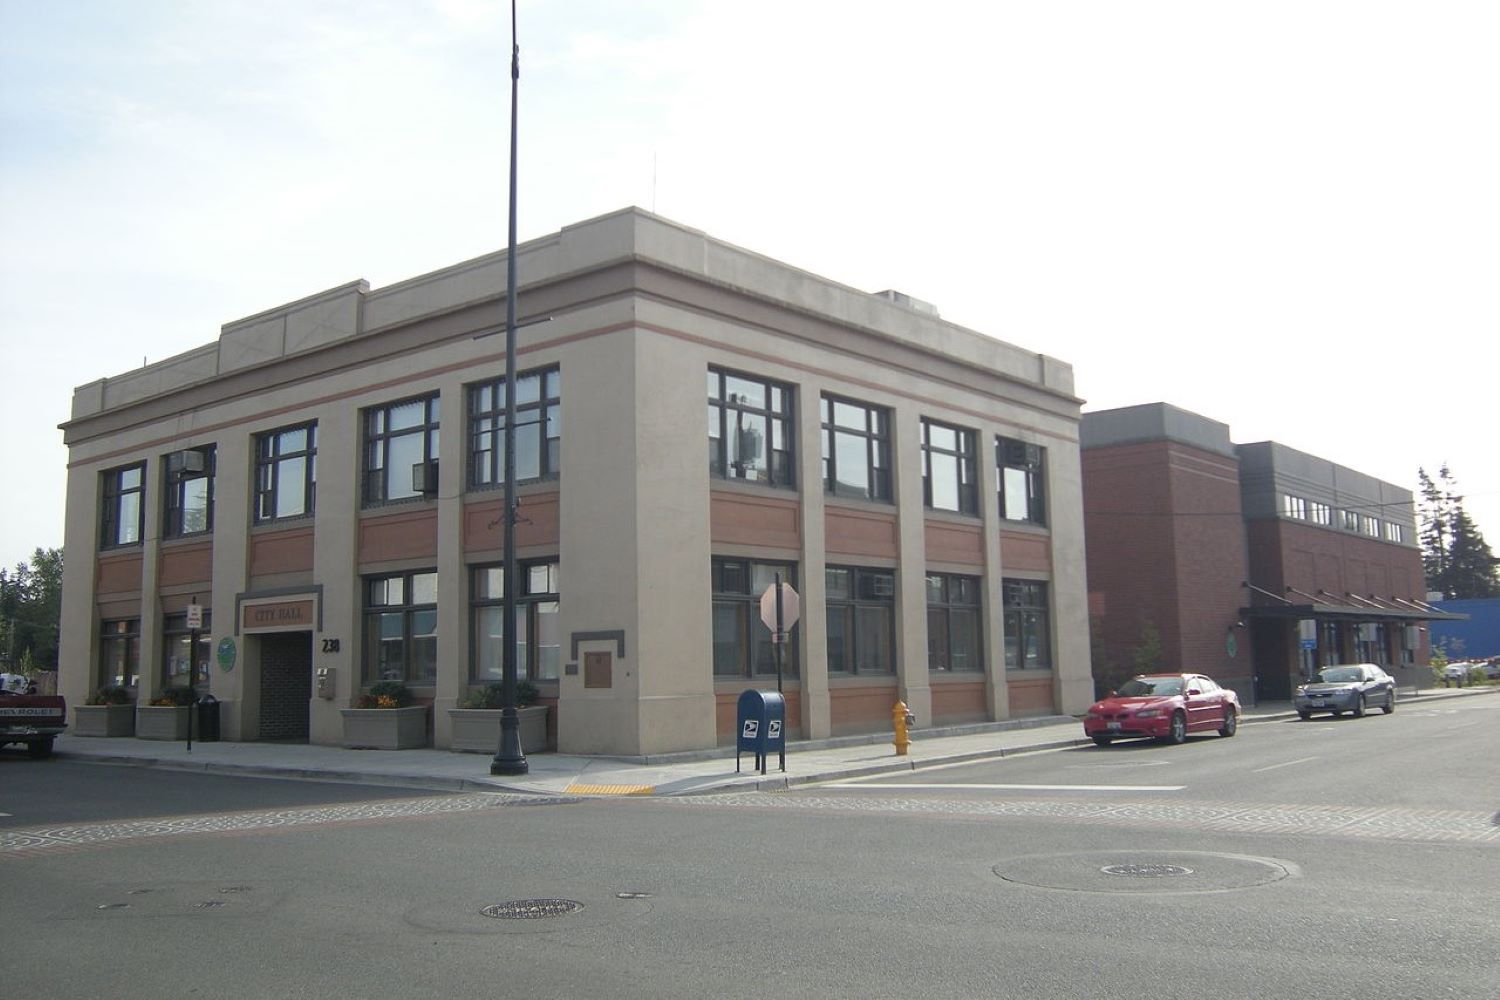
(323, 481)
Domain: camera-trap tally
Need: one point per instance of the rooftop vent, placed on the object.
(902, 299)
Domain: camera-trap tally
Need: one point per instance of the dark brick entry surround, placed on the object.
(285, 685)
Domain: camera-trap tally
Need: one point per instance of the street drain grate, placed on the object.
(208, 904)
(1146, 871)
(632, 895)
(531, 909)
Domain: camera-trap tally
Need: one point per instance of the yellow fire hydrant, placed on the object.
(902, 718)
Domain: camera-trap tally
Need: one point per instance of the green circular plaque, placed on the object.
(227, 653)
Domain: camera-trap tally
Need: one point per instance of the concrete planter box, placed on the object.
(385, 728)
(477, 730)
(162, 722)
(103, 720)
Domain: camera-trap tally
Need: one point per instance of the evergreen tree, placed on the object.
(1455, 558)
(30, 607)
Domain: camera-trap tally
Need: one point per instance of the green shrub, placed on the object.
(492, 695)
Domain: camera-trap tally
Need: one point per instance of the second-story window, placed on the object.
(286, 473)
(1020, 469)
(538, 429)
(398, 438)
(749, 429)
(949, 477)
(123, 508)
(856, 449)
(189, 500)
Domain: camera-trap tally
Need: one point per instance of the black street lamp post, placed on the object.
(509, 759)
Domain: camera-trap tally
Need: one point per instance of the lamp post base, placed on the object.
(509, 758)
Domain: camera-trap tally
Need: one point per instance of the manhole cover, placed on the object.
(1146, 871)
(208, 904)
(1152, 872)
(531, 909)
(235, 888)
(112, 906)
(632, 895)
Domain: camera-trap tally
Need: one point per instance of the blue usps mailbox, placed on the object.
(762, 727)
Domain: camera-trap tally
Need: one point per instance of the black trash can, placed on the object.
(208, 719)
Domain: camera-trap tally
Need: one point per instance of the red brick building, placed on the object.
(1255, 564)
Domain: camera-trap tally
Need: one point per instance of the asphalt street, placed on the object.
(1353, 857)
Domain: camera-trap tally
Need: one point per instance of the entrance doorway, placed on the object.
(285, 686)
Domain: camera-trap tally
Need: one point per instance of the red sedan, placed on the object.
(1164, 707)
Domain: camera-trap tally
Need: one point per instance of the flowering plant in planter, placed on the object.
(385, 694)
(110, 694)
(175, 697)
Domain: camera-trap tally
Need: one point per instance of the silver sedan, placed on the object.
(1353, 688)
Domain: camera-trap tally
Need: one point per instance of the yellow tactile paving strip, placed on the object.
(576, 789)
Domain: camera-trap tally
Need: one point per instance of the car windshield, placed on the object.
(1146, 687)
(1340, 675)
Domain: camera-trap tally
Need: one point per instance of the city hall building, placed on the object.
(315, 497)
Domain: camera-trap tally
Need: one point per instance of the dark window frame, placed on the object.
(1030, 462)
(735, 598)
(530, 607)
(728, 412)
(1026, 607)
(115, 502)
(378, 437)
(965, 458)
(539, 413)
(124, 633)
(876, 436)
(956, 595)
(408, 608)
(273, 462)
(862, 601)
(176, 483)
(175, 634)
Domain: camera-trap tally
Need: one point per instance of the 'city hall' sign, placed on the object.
(283, 616)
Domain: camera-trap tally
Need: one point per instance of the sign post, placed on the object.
(779, 610)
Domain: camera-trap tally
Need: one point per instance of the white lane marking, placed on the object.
(1013, 788)
(1289, 763)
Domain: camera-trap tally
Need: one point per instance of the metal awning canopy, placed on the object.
(1343, 607)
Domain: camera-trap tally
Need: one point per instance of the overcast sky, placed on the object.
(1281, 215)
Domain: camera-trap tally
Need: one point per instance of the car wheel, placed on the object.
(1390, 702)
(1359, 708)
(1304, 716)
(1178, 732)
(40, 749)
(1103, 741)
(1231, 723)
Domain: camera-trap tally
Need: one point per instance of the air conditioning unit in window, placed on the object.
(424, 478)
(188, 460)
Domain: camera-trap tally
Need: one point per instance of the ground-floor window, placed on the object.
(401, 628)
(119, 652)
(861, 620)
(742, 644)
(953, 621)
(1028, 625)
(538, 640)
(182, 665)
(1328, 643)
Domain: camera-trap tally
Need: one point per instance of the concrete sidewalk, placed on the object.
(666, 774)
